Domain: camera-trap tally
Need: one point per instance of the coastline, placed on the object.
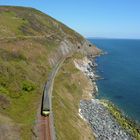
(123, 127)
(124, 121)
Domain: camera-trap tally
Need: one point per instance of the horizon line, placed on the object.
(111, 38)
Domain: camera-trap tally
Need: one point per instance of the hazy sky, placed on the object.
(97, 18)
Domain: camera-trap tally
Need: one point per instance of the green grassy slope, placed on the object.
(28, 21)
(24, 65)
(67, 95)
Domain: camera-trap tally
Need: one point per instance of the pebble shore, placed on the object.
(101, 121)
(103, 124)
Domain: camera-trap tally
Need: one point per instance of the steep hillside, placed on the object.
(74, 86)
(31, 43)
(27, 21)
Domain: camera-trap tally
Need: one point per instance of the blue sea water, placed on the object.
(120, 69)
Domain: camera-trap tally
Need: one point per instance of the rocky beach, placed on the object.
(95, 113)
(103, 124)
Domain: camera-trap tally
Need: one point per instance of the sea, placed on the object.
(120, 70)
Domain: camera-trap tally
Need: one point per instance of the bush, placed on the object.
(3, 90)
(28, 86)
(3, 81)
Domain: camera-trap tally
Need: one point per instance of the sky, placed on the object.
(91, 18)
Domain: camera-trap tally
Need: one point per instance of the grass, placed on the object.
(24, 69)
(126, 123)
(10, 24)
(67, 95)
(27, 21)
(4, 90)
(24, 62)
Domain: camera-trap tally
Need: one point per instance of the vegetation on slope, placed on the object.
(67, 93)
(24, 64)
(126, 123)
(19, 21)
(24, 69)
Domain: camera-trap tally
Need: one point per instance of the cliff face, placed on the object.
(31, 43)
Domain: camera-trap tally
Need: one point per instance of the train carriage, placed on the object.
(45, 108)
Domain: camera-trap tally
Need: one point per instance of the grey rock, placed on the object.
(102, 122)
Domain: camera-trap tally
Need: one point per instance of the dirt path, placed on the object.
(9, 130)
(25, 37)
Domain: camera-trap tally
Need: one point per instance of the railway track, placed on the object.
(45, 128)
(46, 124)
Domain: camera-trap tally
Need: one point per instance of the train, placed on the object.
(45, 107)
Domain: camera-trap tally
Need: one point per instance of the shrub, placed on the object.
(28, 86)
(3, 81)
(3, 90)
